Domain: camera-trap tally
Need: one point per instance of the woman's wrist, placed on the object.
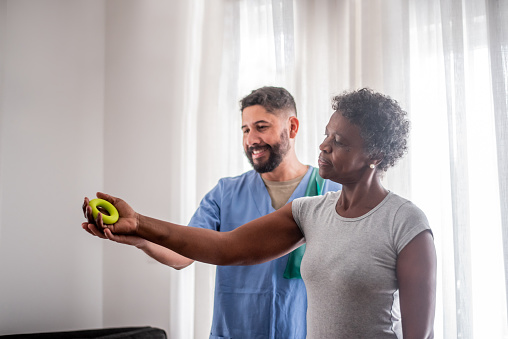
(137, 219)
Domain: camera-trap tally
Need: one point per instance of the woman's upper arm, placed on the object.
(416, 274)
(266, 238)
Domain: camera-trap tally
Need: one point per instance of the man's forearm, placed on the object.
(194, 243)
(165, 256)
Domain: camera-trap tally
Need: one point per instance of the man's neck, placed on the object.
(288, 169)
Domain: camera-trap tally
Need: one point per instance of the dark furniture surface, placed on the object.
(105, 333)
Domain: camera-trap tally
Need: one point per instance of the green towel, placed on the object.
(315, 187)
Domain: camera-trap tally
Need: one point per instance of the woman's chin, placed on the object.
(323, 173)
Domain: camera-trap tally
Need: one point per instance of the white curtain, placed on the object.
(445, 61)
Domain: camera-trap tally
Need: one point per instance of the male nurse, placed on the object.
(266, 301)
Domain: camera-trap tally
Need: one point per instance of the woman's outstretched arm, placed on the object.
(260, 240)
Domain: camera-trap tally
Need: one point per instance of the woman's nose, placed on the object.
(325, 146)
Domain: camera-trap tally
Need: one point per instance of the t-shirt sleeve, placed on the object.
(408, 223)
(296, 209)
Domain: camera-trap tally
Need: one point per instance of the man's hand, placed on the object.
(126, 224)
(121, 239)
(132, 240)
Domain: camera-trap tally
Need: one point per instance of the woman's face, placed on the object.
(343, 158)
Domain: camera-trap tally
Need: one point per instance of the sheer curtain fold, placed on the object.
(396, 78)
(454, 61)
(497, 14)
(183, 284)
(283, 31)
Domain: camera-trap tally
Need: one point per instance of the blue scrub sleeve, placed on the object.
(208, 213)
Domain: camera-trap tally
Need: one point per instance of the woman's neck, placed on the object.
(358, 199)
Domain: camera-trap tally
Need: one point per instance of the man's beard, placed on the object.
(277, 154)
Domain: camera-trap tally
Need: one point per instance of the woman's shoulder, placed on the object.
(314, 202)
(408, 221)
(405, 207)
(317, 198)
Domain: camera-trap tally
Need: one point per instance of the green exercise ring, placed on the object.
(113, 212)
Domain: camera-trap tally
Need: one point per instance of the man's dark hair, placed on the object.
(383, 124)
(273, 99)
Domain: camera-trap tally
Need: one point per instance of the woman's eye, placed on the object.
(337, 140)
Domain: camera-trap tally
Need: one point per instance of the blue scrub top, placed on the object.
(253, 302)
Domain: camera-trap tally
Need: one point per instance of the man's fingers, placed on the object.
(108, 234)
(85, 227)
(96, 231)
(93, 230)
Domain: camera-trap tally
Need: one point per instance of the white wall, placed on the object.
(145, 54)
(90, 99)
(51, 155)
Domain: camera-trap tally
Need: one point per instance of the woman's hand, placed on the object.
(127, 224)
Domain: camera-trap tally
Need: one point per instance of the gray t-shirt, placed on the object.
(349, 266)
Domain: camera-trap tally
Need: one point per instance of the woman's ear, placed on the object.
(376, 159)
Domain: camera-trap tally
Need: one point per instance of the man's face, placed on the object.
(265, 138)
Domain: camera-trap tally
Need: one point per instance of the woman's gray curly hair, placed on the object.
(382, 122)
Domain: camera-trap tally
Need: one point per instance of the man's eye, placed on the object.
(262, 127)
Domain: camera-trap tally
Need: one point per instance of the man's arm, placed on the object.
(164, 255)
(416, 273)
(258, 241)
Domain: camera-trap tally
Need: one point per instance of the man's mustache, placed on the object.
(258, 148)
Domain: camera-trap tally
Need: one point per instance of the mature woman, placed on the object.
(370, 264)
